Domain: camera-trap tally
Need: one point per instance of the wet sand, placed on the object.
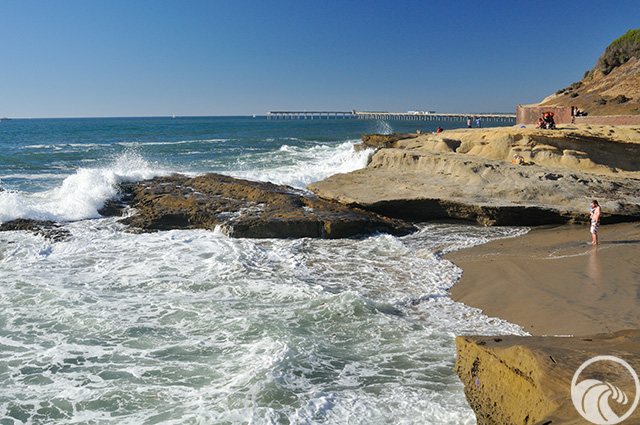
(552, 282)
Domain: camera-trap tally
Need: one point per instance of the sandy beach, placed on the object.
(552, 282)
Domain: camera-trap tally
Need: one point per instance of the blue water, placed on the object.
(193, 327)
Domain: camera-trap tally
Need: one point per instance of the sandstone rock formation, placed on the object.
(527, 380)
(468, 174)
(243, 208)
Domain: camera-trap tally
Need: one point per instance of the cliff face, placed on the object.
(469, 174)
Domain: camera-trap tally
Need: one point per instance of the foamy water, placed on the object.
(189, 326)
(183, 327)
(80, 195)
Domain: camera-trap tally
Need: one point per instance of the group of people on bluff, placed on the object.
(546, 121)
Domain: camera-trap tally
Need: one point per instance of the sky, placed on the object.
(112, 58)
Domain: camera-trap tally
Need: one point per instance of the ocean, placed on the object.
(193, 327)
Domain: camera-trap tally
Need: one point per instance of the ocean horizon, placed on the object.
(190, 326)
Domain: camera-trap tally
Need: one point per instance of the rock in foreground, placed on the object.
(242, 208)
(527, 380)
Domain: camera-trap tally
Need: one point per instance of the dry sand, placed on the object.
(552, 282)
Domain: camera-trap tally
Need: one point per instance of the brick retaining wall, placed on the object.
(527, 115)
(609, 120)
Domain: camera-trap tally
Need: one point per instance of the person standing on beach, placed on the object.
(468, 122)
(478, 122)
(595, 221)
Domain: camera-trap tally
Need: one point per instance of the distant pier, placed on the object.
(404, 116)
(289, 115)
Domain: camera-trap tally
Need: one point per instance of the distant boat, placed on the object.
(174, 115)
(5, 119)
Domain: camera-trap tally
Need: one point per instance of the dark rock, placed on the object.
(47, 229)
(116, 206)
(378, 141)
(244, 208)
(488, 215)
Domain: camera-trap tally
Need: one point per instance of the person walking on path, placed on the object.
(595, 221)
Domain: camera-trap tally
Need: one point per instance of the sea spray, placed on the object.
(383, 127)
(297, 166)
(80, 195)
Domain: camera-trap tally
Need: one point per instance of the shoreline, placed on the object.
(551, 281)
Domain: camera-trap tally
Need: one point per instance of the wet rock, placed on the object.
(243, 208)
(47, 229)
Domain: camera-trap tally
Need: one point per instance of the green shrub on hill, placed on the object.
(620, 51)
(620, 99)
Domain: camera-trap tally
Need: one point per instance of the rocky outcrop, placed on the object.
(469, 174)
(527, 380)
(377, 141)
(242, 208)
(47, 229)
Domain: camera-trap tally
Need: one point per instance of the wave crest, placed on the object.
(80, 195)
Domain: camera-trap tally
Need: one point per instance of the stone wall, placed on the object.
(527, 115)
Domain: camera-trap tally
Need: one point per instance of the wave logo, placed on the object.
(592, 397)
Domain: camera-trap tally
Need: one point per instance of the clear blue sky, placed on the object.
(91, 58)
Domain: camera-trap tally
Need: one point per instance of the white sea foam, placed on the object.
(298, 166)
(193, 326)
(80, 195)
(165, 143)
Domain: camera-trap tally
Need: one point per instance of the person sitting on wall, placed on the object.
(439, 130)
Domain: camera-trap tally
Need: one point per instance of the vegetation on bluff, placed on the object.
(620, 51)
(612, 86)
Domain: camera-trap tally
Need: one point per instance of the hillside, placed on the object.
(612, 86)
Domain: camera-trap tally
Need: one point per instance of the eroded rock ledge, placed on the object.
(527, 380)
(468, 174)
(243, 208)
